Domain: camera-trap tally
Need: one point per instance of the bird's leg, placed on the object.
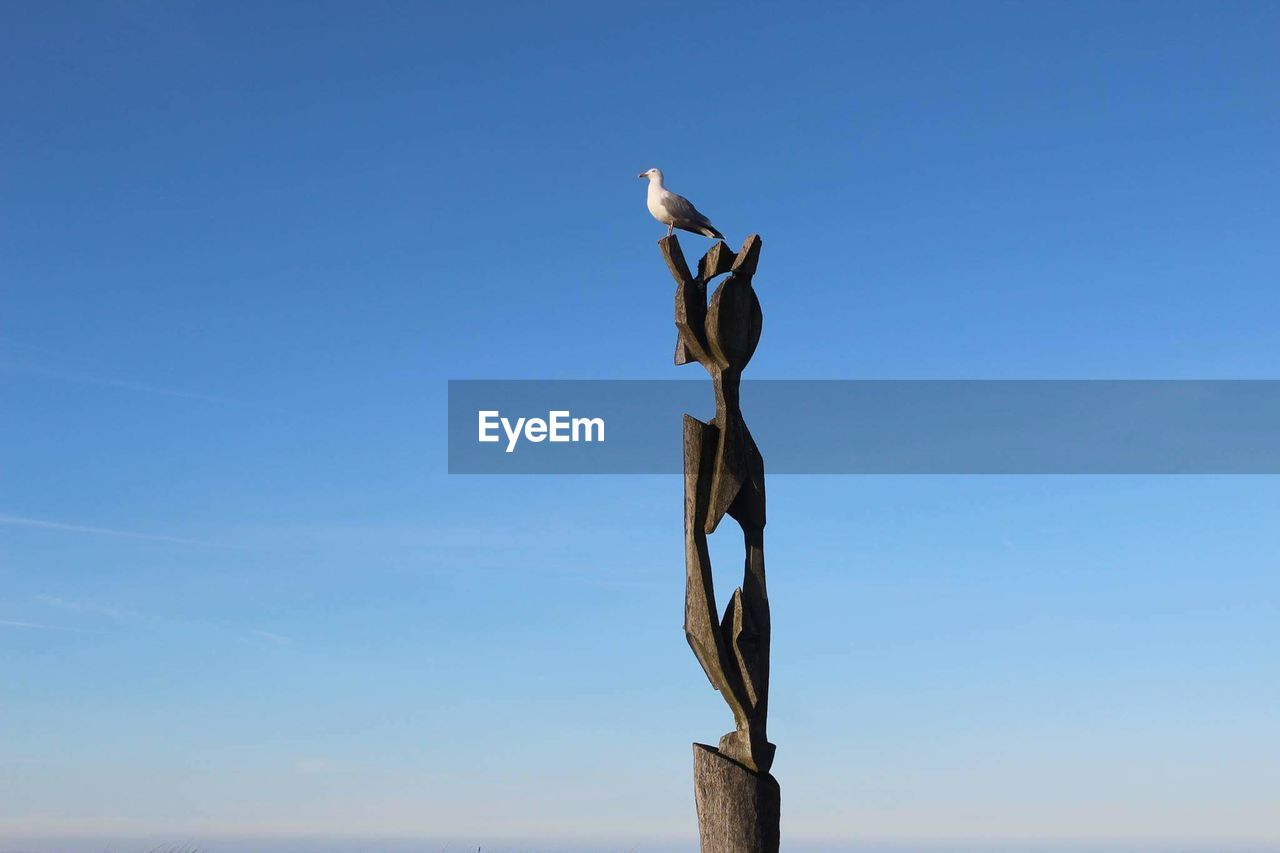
(670, 227)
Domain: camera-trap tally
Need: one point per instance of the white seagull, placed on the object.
(675, 211)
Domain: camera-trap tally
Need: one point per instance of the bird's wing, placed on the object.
(678, 207)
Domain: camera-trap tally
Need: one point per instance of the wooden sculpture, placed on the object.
(737, 799)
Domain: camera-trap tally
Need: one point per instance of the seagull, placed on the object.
(675, 211)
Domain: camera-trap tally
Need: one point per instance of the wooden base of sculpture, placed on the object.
(738, 810)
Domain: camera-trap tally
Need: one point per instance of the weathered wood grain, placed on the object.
(739, 811)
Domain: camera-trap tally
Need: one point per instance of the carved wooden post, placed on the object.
(738, 800)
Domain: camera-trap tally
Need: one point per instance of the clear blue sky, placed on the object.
(243, 247)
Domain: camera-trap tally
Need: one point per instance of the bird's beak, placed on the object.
(643, 175)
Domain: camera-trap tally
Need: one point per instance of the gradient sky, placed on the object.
(243, 247)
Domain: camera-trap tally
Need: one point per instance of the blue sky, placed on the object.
(245, 245)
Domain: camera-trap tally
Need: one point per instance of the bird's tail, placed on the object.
(708, 231)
